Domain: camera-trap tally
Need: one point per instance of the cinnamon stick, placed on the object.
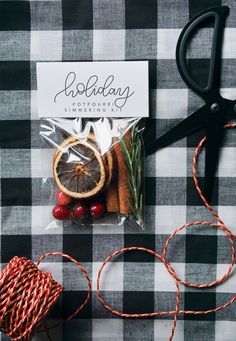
(125, 196)
(112, 196)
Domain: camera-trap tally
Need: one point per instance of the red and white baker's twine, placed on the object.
(163, 258)
(27, 294)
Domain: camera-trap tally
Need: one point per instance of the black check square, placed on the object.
(140, 14)
(78, 246)
(145, 240)
(150, 133)
(200, 301)
(152, 70)
(138, 302)
(56, 311)
(200, 5)
(201, 249)
(15, 134)
(77, 330)
(72, 300)
(199, 71)
(150, 191)
(14, 15)
(194, 138)
(16, 192)
(17, 245)
(14, 75)
(77, 15)
(193, 198)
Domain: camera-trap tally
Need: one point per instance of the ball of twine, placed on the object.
(27, 295)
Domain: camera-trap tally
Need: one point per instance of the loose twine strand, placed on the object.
(27, 294)
(163, 258)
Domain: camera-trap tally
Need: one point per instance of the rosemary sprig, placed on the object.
(132, 154)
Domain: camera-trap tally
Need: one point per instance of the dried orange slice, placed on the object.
(108, 157)
(79, 169)
(67, 141)
(110, 167)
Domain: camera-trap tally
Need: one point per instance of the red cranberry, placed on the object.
(80, 211)
(63, 199)
(61, 212)
(97, 209)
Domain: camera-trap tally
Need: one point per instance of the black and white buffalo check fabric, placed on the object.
(75, 30)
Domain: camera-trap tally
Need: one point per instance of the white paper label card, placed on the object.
(93, 89)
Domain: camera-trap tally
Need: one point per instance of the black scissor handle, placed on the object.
(219, 14)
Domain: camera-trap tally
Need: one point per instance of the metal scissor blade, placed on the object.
(214, 137)
(193, 122)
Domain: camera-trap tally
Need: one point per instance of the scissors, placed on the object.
(216, 111)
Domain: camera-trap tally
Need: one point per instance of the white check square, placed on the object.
(34, 105)
(225, 330)
(162, 330)
(42, 221)
(166, 43)
(171, 103)
(167, 162)
(108, 44)
(168, 218)
(55, 268)
(228, 285)
(163, 280)
(227, 162)
(229, 43)
(107, 329)
(111, 278)
(46, 45)
(41, 163)
(228, 215)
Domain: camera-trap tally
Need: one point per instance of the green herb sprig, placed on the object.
(132, 154)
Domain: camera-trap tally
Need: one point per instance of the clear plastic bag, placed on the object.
(97, 171)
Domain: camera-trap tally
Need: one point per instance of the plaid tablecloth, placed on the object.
(74, 30)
